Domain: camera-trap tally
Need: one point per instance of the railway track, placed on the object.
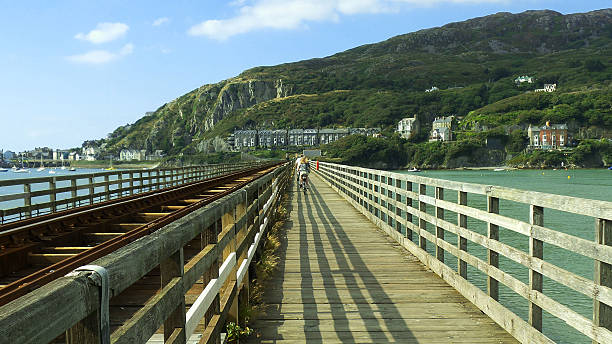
(38, 250)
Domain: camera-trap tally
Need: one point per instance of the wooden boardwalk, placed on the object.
(342, 280)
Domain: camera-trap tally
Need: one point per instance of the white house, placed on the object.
(132, 154)
(434, 88)
(442, 129)
(90, 153)
(406, 126)
(524, 78)
(74, 156)
(547, 88)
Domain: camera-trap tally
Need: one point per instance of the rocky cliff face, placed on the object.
(531, 32)
(239, 95)
(179, 122)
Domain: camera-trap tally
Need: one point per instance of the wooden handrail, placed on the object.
(389, 200)
(229, 227)
(55, 193)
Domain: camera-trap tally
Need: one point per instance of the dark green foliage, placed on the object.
(367, 151)
(594, 65)
(499, 72)
(517, 141)
(397, 153)
(589, 153)
(592, 153)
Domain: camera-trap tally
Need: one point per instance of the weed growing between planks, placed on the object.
(265, 266)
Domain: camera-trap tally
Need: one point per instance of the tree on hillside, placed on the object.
(517, 141)
(594, 65)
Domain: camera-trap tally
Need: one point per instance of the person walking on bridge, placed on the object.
(303, 169)
(298, 161)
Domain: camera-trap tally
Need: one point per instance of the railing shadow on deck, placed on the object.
(312, 205)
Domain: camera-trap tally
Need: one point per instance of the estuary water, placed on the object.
(588, 183)
(6, 190)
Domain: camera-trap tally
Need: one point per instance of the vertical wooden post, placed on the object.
(439, 230)
(106, 187)
(215, 307)
(493, 257)
(229, 220)
(422, 222)
(27, 199)
(408, 215)
(602, 313)
(170, 268)
(241, 233)
(86, 331)
(52, 195)
(536, 248)
(91, 190)
(461, 241)
(73, 193)
(140, 182)
(398, 210)
(131, 183)
(120, 185)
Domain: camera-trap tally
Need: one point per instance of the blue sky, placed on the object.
(76, 70)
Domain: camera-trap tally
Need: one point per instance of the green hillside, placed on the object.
(474, 63)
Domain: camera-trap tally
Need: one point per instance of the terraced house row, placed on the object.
(244, 139)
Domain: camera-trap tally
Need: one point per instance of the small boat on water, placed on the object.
(499, 169)
(42, 166)
(610, 168)
(52, 172)
(72, 169)
(414, 169)
(110, 168)
(22, 170)
(3, 169)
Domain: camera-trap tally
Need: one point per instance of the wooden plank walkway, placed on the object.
(342, 280)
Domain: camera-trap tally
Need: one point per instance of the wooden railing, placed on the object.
(229, 232)
(413, 210)
(42, 195)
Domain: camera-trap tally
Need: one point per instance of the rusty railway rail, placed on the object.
(28, 243)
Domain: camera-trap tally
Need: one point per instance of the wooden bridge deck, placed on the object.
(342, 280)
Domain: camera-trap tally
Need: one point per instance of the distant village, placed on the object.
(87, 154)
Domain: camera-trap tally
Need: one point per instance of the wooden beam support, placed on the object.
(602, 313)
(439, 230)
(171, 268)
(461, 241)
(493, 257)
(536, 250)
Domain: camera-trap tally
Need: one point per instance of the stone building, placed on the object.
(296, 137)
(330, 135)
(132, 154)
(311, 137)
(272, 138)
(365, 131)
(245, 139)
(442, 129)
(549, 136)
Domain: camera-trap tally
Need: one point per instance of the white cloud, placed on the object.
(160, 21)
(101, 56)
(104, 32)
(293, 14)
